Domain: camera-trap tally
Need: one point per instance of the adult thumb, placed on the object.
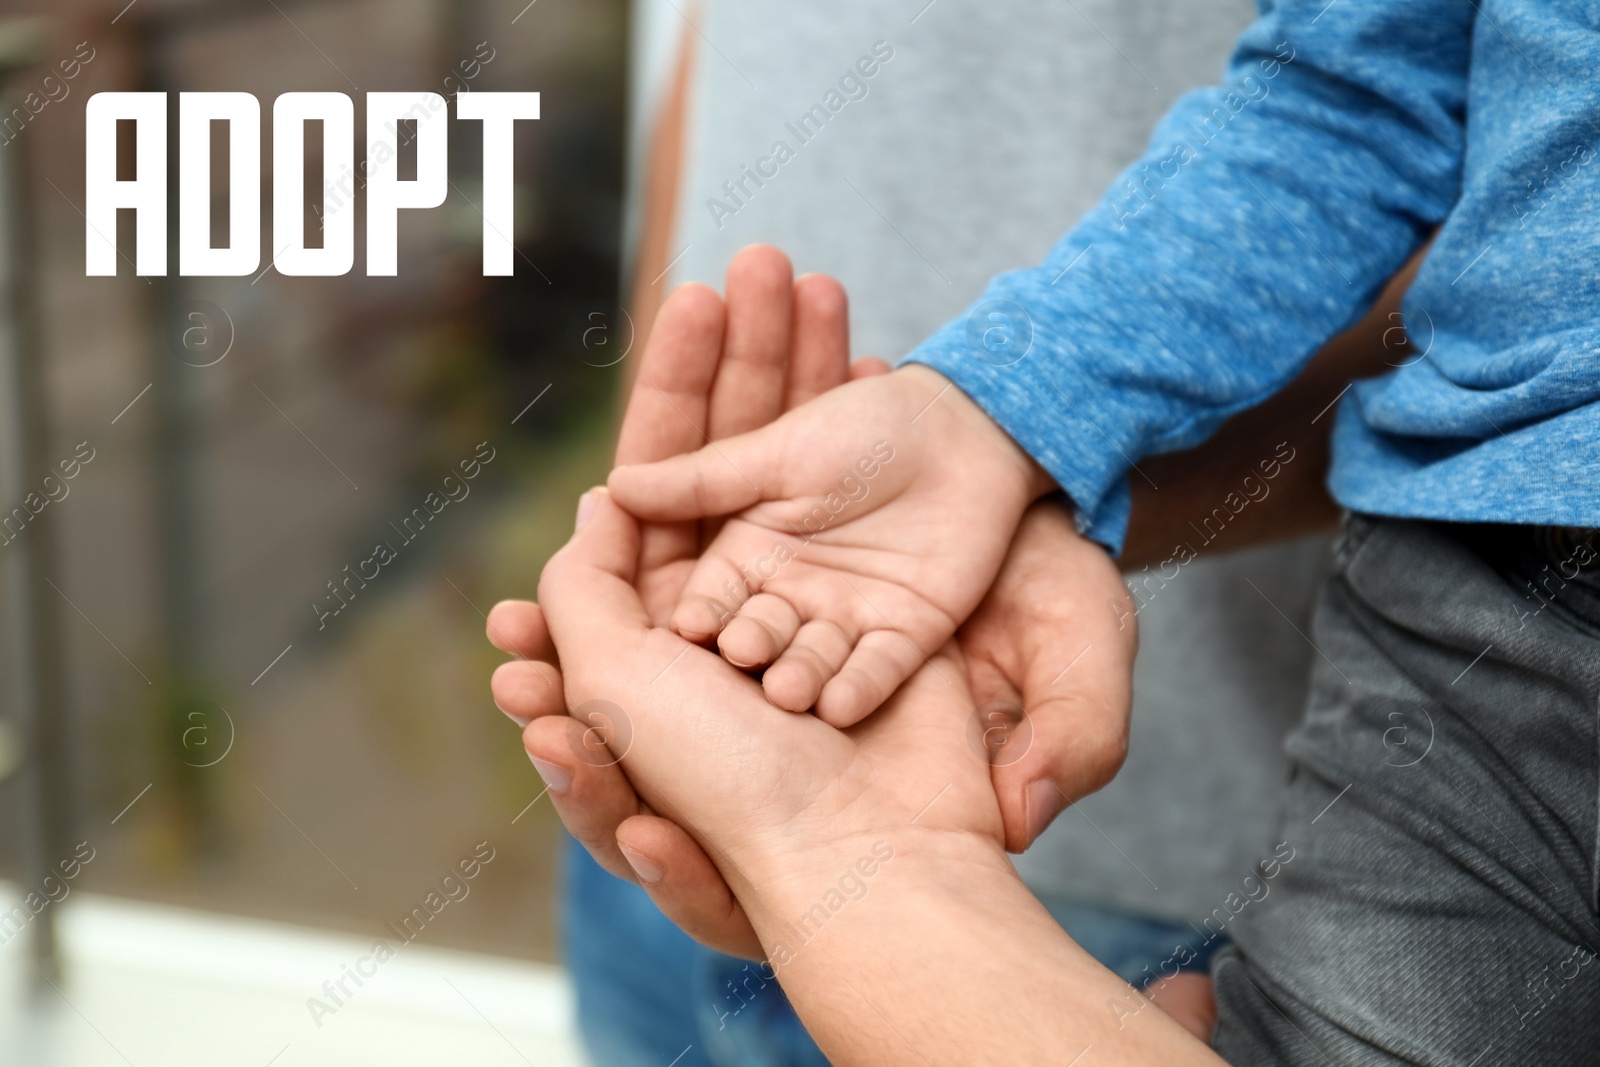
(586, 589)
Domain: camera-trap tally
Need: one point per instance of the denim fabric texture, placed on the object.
(1441, 904)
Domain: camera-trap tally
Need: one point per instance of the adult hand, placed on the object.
(746, 779)
(706, 372)
(1050, 657)
(870, 523)
(804, 819)
(1045, 635)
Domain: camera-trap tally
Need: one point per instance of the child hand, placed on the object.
(871, 521)
(785, 785)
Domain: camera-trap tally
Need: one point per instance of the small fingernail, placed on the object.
(556, 779)
(586, 506)
(1044, 804)
(648, 870)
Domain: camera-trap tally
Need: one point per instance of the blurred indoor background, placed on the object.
(219, 792)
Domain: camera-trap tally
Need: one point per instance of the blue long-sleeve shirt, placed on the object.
(1264, 218)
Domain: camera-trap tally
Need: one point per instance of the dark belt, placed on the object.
(1571, 550)
(1571, 553)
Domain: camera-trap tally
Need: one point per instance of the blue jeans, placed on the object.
(649, 996)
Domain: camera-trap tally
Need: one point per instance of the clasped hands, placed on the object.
(785, 534)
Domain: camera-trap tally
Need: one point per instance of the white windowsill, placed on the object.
(166, 987)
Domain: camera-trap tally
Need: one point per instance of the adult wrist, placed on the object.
(791, 893)
(870, 973)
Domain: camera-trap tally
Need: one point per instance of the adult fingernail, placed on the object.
(586, 506)
(648, 870)
(1043, 801)
(518, 719)
(556, 779)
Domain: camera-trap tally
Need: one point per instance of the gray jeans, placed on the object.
(1439, 905)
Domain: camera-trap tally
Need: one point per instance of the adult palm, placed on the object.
(1054, 635)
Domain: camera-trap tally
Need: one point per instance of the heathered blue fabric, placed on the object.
(1265, 216)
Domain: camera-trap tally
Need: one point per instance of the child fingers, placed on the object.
(820, 342)
(686, 885)
(518, 627)
(528, 689)
(714, 592)
(730, 571)
(816, 654)
(881, 661)
(749, 387)
(698, 619)
(764, 627)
